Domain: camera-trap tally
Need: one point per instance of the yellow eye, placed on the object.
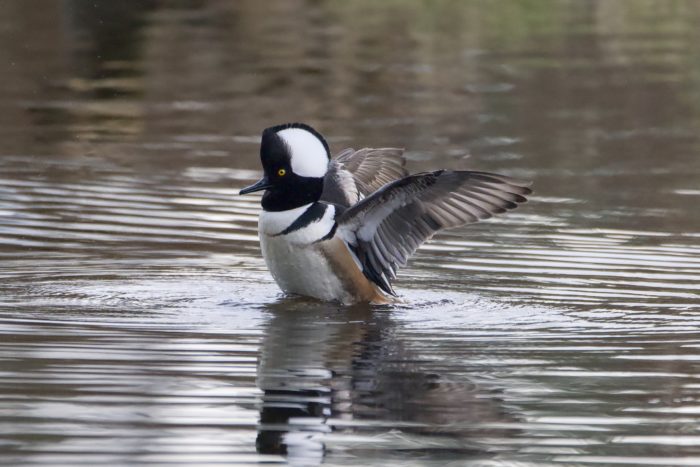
(281, 172)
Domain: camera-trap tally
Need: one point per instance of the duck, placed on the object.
(339, 228)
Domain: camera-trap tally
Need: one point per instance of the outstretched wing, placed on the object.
(353, 175)
(373, 168)
(385, 229)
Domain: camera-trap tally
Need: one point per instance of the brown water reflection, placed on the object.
(138, 323)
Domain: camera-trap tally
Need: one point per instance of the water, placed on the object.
(138, 324)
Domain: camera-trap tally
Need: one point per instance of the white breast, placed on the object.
(301, 269)
(295, 261)
(273, 223)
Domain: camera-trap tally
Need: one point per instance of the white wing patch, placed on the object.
(308, 154)
(371, 222)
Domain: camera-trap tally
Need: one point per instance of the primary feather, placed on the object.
(384, 229)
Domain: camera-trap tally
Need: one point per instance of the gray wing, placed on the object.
(353, 175)
(385, 229)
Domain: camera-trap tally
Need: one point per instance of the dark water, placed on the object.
(138, 323)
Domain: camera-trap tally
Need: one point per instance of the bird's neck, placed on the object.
(292, 197)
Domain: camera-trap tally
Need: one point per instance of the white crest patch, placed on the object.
(308, 154)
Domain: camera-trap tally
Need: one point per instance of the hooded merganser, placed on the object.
(338, 229)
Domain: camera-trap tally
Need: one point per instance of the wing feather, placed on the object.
(353, 175)
(384, 229)
(374, 167)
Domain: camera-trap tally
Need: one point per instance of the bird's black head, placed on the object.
(295, 159)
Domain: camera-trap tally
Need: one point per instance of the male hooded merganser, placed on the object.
(338, 229)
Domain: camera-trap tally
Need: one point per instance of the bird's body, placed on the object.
(312, 260)
(338, 230)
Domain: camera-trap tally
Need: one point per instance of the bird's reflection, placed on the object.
(326, 368)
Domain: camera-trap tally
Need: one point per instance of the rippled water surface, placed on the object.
(138, 323)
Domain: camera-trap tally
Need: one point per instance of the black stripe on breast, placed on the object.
(329, 235)
(313, 213)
